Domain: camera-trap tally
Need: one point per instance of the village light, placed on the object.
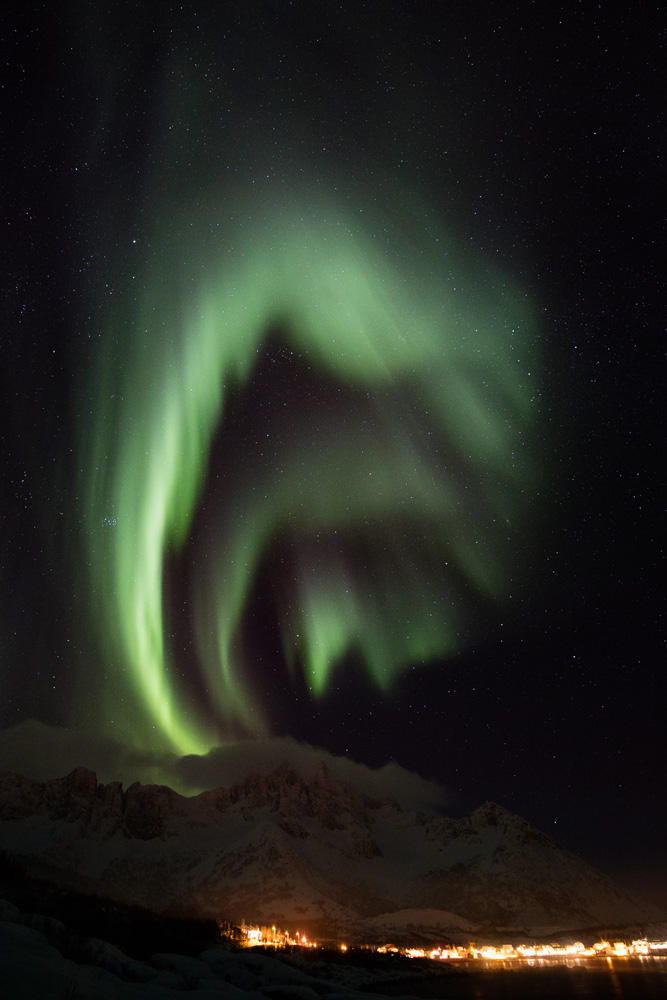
(265, 935)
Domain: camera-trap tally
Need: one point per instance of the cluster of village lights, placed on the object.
(252, 936)
(601, 949)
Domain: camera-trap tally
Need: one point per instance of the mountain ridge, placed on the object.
(303, 852)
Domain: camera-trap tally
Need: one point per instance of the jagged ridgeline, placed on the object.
(304, 853)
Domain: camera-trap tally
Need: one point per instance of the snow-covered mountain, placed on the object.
(306, 853)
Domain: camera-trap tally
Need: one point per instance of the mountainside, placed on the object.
(308, 854)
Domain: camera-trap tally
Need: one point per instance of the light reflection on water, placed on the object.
(630, 978)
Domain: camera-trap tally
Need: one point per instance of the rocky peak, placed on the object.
(71, 798)
(19, 796)
(491, 814)
(149, 810)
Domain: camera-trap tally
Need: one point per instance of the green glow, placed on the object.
(414, 501)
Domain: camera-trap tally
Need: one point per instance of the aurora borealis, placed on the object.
(388, 488)
(332, 368)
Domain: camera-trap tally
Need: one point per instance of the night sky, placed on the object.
(332, 355)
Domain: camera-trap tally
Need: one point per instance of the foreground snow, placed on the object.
(31, 967)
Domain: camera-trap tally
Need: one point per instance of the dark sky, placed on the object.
(141, 143)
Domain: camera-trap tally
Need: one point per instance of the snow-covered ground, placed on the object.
(31, 967)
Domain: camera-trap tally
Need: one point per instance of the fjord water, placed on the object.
(594, 979)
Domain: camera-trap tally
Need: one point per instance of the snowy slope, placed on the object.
(33, 964)
(303, 853)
